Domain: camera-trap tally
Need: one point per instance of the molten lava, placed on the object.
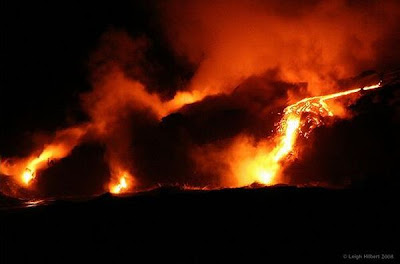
(46, 157)
(265, 166)
(25, 169)
(121, 184)
(247, 160)
(291, 124)
(27, 176)
(286, 144)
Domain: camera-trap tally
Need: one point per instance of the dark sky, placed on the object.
(45, 51)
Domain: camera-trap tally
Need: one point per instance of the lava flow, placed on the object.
(248, 161)
(294, 122)
(25, 169)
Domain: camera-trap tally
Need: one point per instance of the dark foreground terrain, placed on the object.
(267, 225)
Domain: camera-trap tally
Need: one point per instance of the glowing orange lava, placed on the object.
(265, 165)
(122, 183)
(289, 128)
(33, 165)
(24, 170)
(247, 161)
(28, 176)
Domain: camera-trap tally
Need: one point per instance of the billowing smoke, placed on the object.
(317, 42)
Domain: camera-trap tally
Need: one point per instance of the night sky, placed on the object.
(45, 49)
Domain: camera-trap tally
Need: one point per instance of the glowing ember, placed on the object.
(122, 184)
(28, 176)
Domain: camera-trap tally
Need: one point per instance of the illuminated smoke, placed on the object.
(229, 43)
(317, 42)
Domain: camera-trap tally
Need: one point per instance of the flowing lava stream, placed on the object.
(290, 126)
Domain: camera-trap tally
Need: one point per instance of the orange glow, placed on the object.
(247, 161)
(121, 183)
(289, 129)
(318, 42)
(106, 105)
(25, 170)
(309, 104)
(236, 49)
(286, 143)
(50, 153)
(181, 99)
(184, 98)
(27, 176)
(265, 165)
